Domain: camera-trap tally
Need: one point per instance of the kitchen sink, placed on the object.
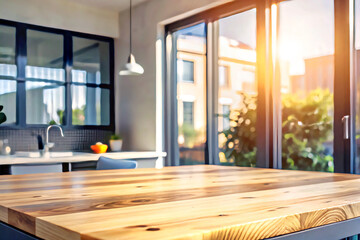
(37, 154)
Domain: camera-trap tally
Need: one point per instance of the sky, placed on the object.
(245, 30)
(306, 28)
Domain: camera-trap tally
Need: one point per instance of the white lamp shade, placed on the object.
(131, 67)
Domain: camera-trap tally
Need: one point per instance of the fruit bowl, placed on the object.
(99, 148)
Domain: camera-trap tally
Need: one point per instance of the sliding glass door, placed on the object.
(266, 85)
(356, 62)
(237, 89)
(190, 68)
(305, 83)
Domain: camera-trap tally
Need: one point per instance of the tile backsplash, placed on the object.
(73, 140)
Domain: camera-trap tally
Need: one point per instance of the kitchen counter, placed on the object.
(78, 157)
(188, 202)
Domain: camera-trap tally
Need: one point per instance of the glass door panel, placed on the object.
(357, 80)
(191, 93)
(305, 74)
(237, 89)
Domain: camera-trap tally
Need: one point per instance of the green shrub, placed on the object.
(115, 137)
(190, 134)
(240, 145)
(306, 127)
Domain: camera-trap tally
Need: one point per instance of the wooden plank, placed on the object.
(47, 230)
(203, 215)
(21, 220)
(188, 202)
(65, 206)
(4, 214)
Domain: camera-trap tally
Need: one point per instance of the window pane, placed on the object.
(226, 115)
(44, 56)
(191, 93)
(92, 59)
(7, 51)
(188, 109)
(237, 89)
(90, 106)
(45, 103)
(8, 99)
(357, 79)
(185, 71)
(306, 71)
(223, 76)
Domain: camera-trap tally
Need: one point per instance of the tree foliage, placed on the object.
(240, 142)
(306, 129)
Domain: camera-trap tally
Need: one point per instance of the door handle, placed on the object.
(346, 126)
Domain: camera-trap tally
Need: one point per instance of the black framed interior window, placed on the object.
(52, 76)
(8, 71)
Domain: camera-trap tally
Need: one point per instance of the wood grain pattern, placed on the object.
(188, 202)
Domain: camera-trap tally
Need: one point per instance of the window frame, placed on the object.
(20, 62)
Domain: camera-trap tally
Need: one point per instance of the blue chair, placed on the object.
(105, 163)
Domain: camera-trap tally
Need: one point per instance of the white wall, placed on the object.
(136, 95)
(62, 14)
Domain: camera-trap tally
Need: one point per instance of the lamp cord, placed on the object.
(130, 29)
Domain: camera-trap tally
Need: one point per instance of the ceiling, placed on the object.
(117, 5)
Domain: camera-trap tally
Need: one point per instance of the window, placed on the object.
(357, 79)
(185, 71)
(191, 98)
(89, 105)
(291, 98)
(45, 89)
(306, 76)
(91, 82)
(237, 58)
(226, 117)
(8, 72)
(223, 76)
(51, 76)
(188, 112)
(45, 103)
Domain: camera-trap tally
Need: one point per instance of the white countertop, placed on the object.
(78, 157)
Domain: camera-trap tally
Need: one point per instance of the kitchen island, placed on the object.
(187, 202)
(72, 160)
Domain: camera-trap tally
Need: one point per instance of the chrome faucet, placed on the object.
(48, 144)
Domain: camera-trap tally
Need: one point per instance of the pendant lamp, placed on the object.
(131, 67)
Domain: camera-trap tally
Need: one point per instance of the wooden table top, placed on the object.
(188, 202)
